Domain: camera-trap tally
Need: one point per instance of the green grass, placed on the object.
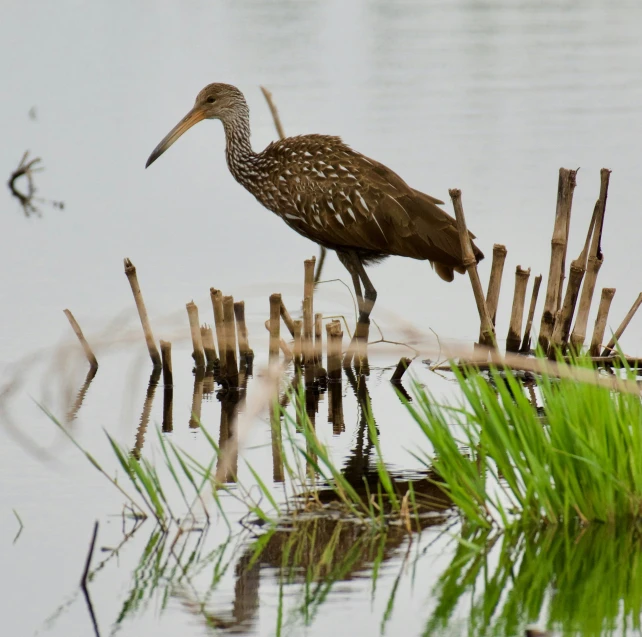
(502, 459)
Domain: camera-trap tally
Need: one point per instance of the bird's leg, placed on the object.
(358, 344)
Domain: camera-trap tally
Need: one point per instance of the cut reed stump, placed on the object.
(318, 339)
(287, 352)
(91, 358)
(275, 327)
(168, 375)
(623, 325)
(241, 327)
(298, 349)
(130, 272)
(565, 188)
(514, 337)
(470, 263)
(526, 341)
(230, 339)
(287, 319)
(334, 348)
(495, 281)
(207, 337)
(595, 260)
(195, 331)
(400, 370)
(600, 321)
(562, 329)
(219, 325)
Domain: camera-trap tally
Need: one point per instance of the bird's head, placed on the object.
(215, 101)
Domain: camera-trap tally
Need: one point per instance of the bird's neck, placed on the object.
(238, 148)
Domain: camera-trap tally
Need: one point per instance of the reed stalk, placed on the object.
(308, 309)
(241, 328)
(195, 331)
(91, 358)
(400, 370)
(307, 332)
(318, 339)
(219, 324)
(166, 352)
(600, 321)
(513, 340)
(334, 347)
(562, 328)
(595, 260)
(230, 339)
(130, 272)
(287, 319)
(495, 281)
(470, 263)
(298, 348)
(207, 337)
(565, 188)
(526, 341)
(275, 327)
(623, 325)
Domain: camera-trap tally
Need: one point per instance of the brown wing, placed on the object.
(340, 198)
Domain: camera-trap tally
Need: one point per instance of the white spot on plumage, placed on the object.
(351, 213)
(339, 219)
(289, 216)
(331, 205)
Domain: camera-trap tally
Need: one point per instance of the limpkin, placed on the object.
(332, 195)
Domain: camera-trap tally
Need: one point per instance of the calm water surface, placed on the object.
(490, 97)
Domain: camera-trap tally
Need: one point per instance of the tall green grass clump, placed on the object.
(502, 458)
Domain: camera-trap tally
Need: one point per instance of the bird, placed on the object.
(332, 195)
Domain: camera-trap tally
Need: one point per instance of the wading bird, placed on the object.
(332, 195)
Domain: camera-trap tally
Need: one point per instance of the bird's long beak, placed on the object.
(193, 117)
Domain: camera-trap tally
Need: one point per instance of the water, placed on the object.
(489, 97)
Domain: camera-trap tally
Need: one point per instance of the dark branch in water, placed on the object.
(83, 581)
(27, 200)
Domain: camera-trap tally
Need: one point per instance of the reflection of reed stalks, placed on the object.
(147, 410)
(80, 397)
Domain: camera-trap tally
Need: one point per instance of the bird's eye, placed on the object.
(211, 100)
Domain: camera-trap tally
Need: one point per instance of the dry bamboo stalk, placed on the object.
(470, 263)
(195, 330)
(623, 325)
(335, 338)
(495, 281)
(595, 260)
(400, 370)
(168, 375)
(91, 358)
(600, 321)
(298, 325)
(241, 327)
(230, 336)
(562, 327)
(514, 338)
(275, 327)
(207, 336)
(130, 272)
(526, 341)
(287, 352)
(565, 188)
(219, 325)
(318, 338)
(275, 114)
(307, 331)
(287, 319)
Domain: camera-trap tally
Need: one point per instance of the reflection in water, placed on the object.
(197, 398)
(147, 409)
(574, 581)
(80, 397)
